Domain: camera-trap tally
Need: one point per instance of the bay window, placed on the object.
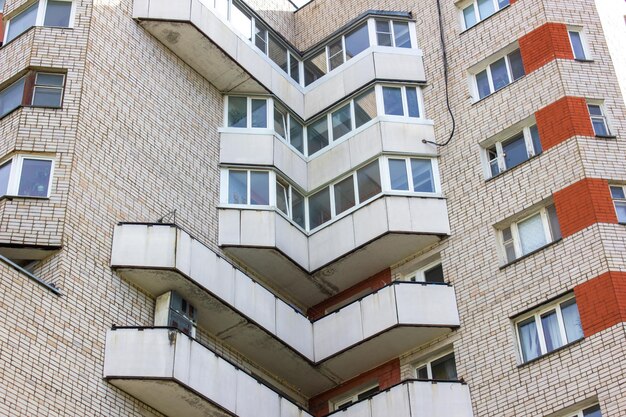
(50, 13)
(26, 176)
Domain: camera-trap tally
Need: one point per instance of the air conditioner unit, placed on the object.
(172, 310)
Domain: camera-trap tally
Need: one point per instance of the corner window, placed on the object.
(578, 45)
(618, 193)
(478, 10)
(55, 13)
(393, 33)
(361, 394)
(411, 174)
(548, 328)
(499, 74)
(26, 176)
(315, 67)
(442, 368)
(511, 152)
(529, 234)
(247, 112)
(401, 101)
(598, 120)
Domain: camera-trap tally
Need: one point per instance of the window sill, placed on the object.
(606, 137)
(554, 242)
(500, 174)
(485, 19)
(538, 358)
(22, 197)
(584, 60)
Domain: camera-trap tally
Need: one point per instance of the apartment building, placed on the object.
(357, 208)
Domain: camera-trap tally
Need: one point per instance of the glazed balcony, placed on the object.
(314, 356)
(230, 61)
(178, 376)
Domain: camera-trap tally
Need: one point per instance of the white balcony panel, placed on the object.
(393, 64)
(428, 215)
(403, 137)
(258, 228)
(294, 329)
(292, 242)
(379, 312)
(430, 305)
(253, 300)
(370, 222)
(236, 148)
(258, 401)
(331, 241)
(395, 402)
(338, 331)
(365, 145)
(291, 163)
(329, 165)
(229, 227)
(144, 245)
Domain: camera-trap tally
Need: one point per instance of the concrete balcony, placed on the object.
(180, 377)
(382, 135)
(209, 44)
(415, 398)
(312, 267)
(314, 356)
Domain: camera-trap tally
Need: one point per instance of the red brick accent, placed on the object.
(584, 203)
(1, 28)
(602, 302)
(513, 1)
(386, 375)
(563, 119)
(371, 284)
(545, 44)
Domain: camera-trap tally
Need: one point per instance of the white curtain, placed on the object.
(531, 234)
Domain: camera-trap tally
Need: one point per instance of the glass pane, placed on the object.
(423, 181)
(294, 69)
(577, 45)
(335, 54)
(297, 208)
(411, 101)
(617, 192)
(594, 110)
(5, 171)
(241, 21)
(296, 134)
(499, 74)
(35, 178)
(514, 151)
(22, 22)
(260, 38)
(397, 173)
(599, 126)
(492, 156)
(444, 368)
(55, 80)
(1, 5)
(592, 412)
(315, 67)
(529, 339)
(482, 82)
(319, 208)
(367, 394)
(509, 248)
(531, 234)
(383, 33)
(503, 3)
(317, 135)
(357, 41)
(58, 13)
(259, 113)
(47, 97)
(422, 373)
(551, 332)
(364, 108)
(555, 228)
(469, 16)
(282, 197)
(368, 179)
(434, 274)
(280, 120)
(571, 320)
(517, 67)
(534, 134)
(344, 195)
(237, 187)
(11, 97)
(401, 34)
(392, 98)
(277, 53)
(485, 8)
(341, 121)
(620, 208)
(259, 188)
(237, 112)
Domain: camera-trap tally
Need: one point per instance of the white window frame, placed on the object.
(269, 110)
(380, 102)
(536, 314)
(500, 156)
(15, 174)
(392, 31)
(583, 41)
(225, 182)
(428, 363)
(618, 200)
(386, 176)
(51, 87)
(353, 396)
(487, 68)
(604, 116)
(479, 18)
(419, 275)
(41, 15)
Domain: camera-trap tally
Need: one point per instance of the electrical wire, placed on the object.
(445, 78)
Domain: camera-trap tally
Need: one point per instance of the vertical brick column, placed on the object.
(1, 28)
(563, 119)
(545, 44)
(584, 203)
(602, 302)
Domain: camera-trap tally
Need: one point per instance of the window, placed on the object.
(393, 33)
(593, 411)
(619, 200)
(319, 208)
(578, 44)
(598, 120)
(442, 368)
(11, 97)
(359, 395)
(430, 273)
(499, 74)
(317, 135)
(278, 53)
(26, 176)
(529, 234)
(288, 127)
(246, 112)
(548, 328)
(55, 13)
(315, 67)
(511, 152)
(47, 92)
(479, 10)
(411, 174)
(248, 187)
(401, 101)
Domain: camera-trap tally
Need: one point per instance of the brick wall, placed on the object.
(563, 119)
(584, 203)
(367, 286)
(386, 376)
(602, 302)
(544, 44)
